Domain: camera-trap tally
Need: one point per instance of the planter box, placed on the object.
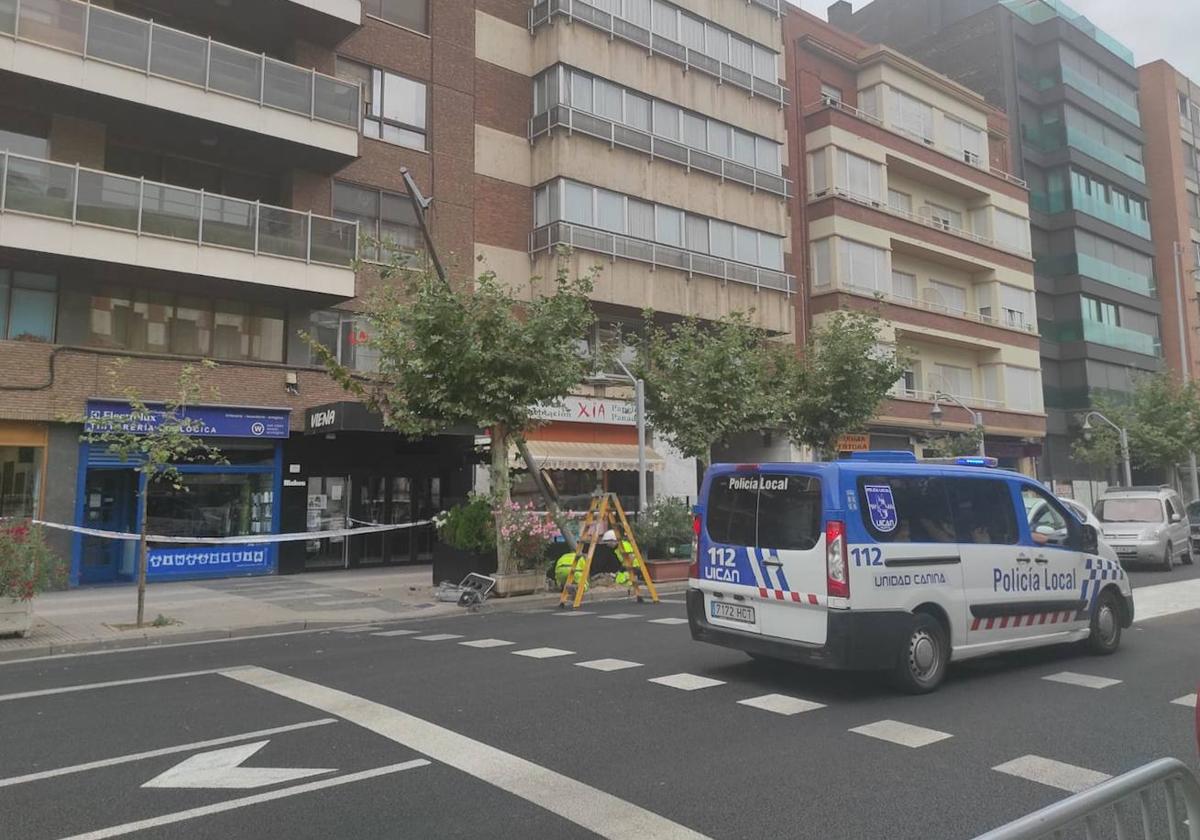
(521, 583)
(15, 617)
(663, 571)
(454, 564)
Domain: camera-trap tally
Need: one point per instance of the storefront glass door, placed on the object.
(109, 504)
(327, 508)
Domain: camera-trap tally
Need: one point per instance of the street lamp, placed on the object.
(1087, 427)
(639, 406)
(936, 413)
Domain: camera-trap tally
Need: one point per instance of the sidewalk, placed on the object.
(99, 618)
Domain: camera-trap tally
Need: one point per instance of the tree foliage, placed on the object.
(953, 444)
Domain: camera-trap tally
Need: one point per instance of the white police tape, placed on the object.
(248, 539)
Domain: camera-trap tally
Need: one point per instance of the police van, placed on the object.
(886, 563)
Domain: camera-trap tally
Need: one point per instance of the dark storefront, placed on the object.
(346, 471)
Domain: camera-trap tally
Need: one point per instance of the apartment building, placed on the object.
(1170, 108)
(1070, 92)
(909, 211)
(185, 181)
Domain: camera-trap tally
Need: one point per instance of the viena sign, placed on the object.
(588, 410)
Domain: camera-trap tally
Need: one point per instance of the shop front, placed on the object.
(237, 498)
(22, 469)
(347, 471)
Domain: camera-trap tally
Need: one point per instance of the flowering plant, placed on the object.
(526, 532)
(27, 565)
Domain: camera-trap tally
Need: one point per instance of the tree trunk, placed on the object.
(502, 494)
(143, 485)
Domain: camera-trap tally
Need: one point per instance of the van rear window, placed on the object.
(765, 510)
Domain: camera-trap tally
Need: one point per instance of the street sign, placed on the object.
(221, 769)
(854, 443)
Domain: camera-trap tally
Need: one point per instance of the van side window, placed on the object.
(905, 509)
(1047, 526)
(983, 511)
(733, 509)
(789, 512)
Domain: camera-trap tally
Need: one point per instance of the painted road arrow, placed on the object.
(220, 769)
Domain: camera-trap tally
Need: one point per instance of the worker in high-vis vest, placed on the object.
(562, 570)
(626, 556)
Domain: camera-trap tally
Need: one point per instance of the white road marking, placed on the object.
(486, 643)
(125, 759)
(397, 633)
(67, 689)
(1186, 700)
(242, 802)
(609, 664)
(620, 616)
(222, 769)
(904, 734)
(1166, 599)
(1053, 773)
(566, 613)
(687, 682)
(543, 652)
(781, 704)
(586, 806)
(1085, 680)
(668, 621)
(438, 637)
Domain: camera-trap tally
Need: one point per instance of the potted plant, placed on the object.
(466, 541)
(525, 532)
(664, 534)
(27, 567)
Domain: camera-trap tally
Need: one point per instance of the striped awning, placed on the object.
(568, 455)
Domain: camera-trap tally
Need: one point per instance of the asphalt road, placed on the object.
(403, 736)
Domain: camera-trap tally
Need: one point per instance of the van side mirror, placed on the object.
(1175, 517)
(1091, 539)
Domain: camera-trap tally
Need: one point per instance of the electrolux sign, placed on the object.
(202, 420)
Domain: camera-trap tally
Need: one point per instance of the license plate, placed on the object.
(733, 612)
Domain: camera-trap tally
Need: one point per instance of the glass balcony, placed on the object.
(1097, 332)
(146, 208)
(1096, 149)
(1099, 270)
(1093, 206)
(1094, 91)
(1036, 11)
(159, 51)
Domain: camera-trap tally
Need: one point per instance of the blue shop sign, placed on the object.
(203, 420)
(208, 561)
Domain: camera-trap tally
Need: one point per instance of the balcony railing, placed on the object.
(901, 392)
(543, 12)
(618, 246)
(927, 220)
(154, 50)
(563, 116)
(775, 6)
(969, 158)
(839, 285)
(101, 199)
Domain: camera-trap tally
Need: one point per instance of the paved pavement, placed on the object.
(606, 722)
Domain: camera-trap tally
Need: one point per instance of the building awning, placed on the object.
(568, 455)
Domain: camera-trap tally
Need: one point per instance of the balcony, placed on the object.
(544, 11)
(1098, 270)
(1049, 139)
(1114, 103)
(574, 120)
(94, 49)
(617, 246)
(1109, 335)
(341, 11)
(89, 214)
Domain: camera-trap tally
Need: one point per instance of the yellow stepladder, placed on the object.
(604, 514)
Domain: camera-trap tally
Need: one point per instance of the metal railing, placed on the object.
(839, 285)
(775, 6)
(619, 246)
(615, 134)
(151, 49)
(928, 221)
(904, 393)
(1124, 806)
(958, 155)
(81, 196)
(543, 12)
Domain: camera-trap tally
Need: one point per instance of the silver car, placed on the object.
(1146, 525)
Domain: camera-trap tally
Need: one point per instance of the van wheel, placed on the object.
(1166, 564)
(923, 657)
(1105, 637)
(1190, 557)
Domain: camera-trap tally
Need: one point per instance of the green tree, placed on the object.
(469, 354)
(161, 440)
(953, 444)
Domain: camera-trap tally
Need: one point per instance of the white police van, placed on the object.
(883, 562)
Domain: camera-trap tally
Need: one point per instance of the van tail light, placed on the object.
(837, 570)
(694, 568)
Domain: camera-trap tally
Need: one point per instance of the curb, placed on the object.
(144, 639)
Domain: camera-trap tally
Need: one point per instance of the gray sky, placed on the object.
(1153, 29)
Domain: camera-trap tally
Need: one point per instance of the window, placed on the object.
(608, 100)
(944, 217)
(1048, 525)
(983, 511)
(901, 202)
(696, 228)
(859, 176)
(1146, 510)
(732, 514)
(829, 93)
(693, 130)
(610, 211)
(948, 297)
(720, 239)
(716, 42)
(1023, 389)
(665, 20)
(818, 178)
(1010, 230)
(637, 111)
(394, 108)
(246, 331)
(744, 147)
(666, 120)
(1184, 106)
(912, 115)
(641, 219)
(766, 64)
(863, 266)
(28, 305)
(411, 14)
(822, 270)
(20, 481)
(577, 203)
(904, 285)
(906, 510)
(668, 226)
(691, 32)
(789, 512)
(956, 381)
(386, 219)
(24, 133)
(967, 140)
